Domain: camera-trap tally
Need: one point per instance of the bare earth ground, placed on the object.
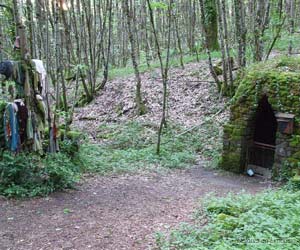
(113, 213)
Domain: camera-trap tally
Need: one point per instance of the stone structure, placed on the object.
(263, 130)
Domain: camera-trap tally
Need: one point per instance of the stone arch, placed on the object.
(277, 84)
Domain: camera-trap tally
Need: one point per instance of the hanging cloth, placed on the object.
(22, 120)
(29, 126)
(6, 68)
(11, 127)
(37, 144)
(39, 67)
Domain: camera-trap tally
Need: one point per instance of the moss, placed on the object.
(295, 182)
(231, 161)
(295, 141)
(72, 135)
(279, 79)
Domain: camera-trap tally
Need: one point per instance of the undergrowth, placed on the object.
(132, 146)
(267, 221)
(28, 175)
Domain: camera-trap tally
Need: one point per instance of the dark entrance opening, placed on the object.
(265, 123)
(262, 148)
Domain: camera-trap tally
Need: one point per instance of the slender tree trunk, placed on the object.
(138, 96)
(110, 27)
(178, 41)
(291, 24)
(211, 24)
(226, 42)
(164, 69)
(240, 31)
(206, 45)
(223, 51)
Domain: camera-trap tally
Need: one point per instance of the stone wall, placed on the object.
(279, 80)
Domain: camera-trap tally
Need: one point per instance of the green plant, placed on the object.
(267, 221)
(131, 147)
(30, 175)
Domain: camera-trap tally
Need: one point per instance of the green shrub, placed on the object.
(69, 147)
(267, 221)
(27, 175)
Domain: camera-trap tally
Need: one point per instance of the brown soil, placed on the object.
(114, 212)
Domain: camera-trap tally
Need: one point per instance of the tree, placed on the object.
(211, 24)
(164, 69)
(206, 42)
(138, 97)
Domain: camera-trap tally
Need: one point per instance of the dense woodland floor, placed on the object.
(140, 171)
(125, 211)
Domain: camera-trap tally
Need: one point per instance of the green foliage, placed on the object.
(128, 147)
(174, 62)
(30, 175)
(131, 147)
(268, 221)
(211, 14)
(159, 5)
(284, 42)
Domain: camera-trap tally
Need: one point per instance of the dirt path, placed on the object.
(113, 213)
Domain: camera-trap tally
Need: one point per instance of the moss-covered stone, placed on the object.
(279, 80)
(231, 162)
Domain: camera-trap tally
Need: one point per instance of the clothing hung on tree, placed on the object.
(22, 116)
(24, 126)
(11, 127)
(39, 67)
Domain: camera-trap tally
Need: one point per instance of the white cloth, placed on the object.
(39, 67)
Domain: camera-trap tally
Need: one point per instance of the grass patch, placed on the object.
(267, 221)
(174, 62)
(131, 147)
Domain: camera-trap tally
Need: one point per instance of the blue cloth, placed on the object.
(11, 128)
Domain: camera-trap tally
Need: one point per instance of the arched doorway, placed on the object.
(262, 146)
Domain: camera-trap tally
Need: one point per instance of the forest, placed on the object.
(144, 124)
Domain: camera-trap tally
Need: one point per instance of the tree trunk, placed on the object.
(211, 24)
(138, 97)
(207, 47)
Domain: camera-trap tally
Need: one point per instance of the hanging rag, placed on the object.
(6, 69)
(22, 116)
(42, 108)
(11, 127)
(29, 126)
(37, 144)
(39, 67)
